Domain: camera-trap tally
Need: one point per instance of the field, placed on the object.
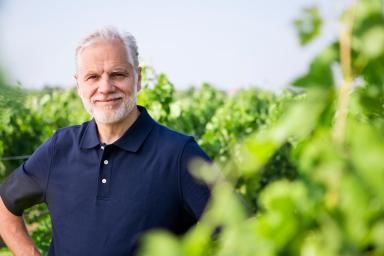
(299, 172)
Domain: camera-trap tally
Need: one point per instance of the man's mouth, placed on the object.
(110, 100)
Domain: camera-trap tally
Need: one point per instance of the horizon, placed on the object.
(225, 45)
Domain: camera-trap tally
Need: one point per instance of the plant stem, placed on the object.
(345, 61)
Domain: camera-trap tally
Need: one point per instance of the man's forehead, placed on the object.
(101, 68)
(100, 42)
(103, 54)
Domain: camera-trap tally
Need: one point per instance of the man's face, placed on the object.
(106, 82)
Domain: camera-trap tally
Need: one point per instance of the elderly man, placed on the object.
(110, 179)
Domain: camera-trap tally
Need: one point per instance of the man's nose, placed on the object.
(106, 85)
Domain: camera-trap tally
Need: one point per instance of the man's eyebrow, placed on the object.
(90, 72)
(120, 69)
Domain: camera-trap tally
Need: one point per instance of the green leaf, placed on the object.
(320, 73)
(160, 243)
(308, 25)
(372, 42)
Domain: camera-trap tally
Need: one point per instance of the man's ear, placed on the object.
(77, 84)
(139, 79)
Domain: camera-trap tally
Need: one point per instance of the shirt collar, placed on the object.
(90, 138)
(131, 140)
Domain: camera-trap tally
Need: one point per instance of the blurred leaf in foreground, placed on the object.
(308, 25)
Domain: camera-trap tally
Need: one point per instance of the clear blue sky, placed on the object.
(235, 43)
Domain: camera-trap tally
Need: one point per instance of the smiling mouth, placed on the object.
(108, 100)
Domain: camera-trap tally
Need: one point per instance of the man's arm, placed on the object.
(15, 234)
(195, 194)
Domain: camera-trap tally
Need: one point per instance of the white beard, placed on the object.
(108, 115)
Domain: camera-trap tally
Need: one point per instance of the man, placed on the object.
(110, 179)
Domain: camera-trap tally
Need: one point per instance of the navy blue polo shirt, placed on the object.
(103, 197)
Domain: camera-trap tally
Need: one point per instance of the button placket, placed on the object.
(105, 172)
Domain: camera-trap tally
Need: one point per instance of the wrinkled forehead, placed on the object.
(101, 53)
(97, 40)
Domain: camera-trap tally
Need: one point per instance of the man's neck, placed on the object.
(109, 133)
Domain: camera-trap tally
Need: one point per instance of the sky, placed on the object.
(228, 43)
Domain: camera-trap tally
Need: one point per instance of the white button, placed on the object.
(102, 147)
(104, 181)
(105, 162)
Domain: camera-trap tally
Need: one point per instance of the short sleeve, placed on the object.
(195, 194)
(26, 185)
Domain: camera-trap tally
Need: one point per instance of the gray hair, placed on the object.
(109, 34)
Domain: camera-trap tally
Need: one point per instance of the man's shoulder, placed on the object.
(174, 143)
(172, 137)
(159, 133)
(71, 133)
(72, 129)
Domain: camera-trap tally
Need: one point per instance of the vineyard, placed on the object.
(298, 172)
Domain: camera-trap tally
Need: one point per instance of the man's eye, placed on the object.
(91, 77)
(118, 75)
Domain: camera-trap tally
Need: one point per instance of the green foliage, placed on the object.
(5, 252)
(10, 97)
(250, 109)
(308, 25)
(156, 95)
(320, 70)
(36, 120)
(39, 222)
(206, 113)
(281, 183)
(28, 125)
(334, 205)
(10, 102)
(194, 108)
